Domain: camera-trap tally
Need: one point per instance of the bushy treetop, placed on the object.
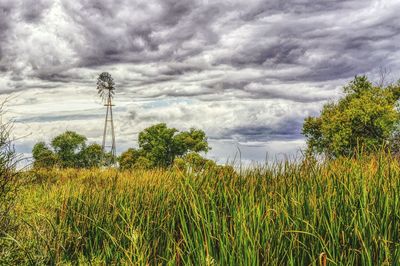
(160, 145)
(365, 117)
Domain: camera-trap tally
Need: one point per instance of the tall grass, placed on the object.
(281, 214)
(9, 184)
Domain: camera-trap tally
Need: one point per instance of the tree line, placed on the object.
(159, 147)
(367, 117)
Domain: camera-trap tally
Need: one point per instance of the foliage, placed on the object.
(9, 185)
(281, 214)
(194, 162)
(69, 149)
(91, 156)
(143, 163)
(43, 156)
(160, 145)
(194, 140)
(69, 146)
(7, 179)
(128, 159)
(365, 117)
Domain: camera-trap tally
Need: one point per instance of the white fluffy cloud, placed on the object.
(247, 73)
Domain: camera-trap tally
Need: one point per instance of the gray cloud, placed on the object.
(31, 11)
(6, 9)
(285, 130)
(123, 31)
(247, 71)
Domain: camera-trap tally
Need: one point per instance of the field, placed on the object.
(344, 211)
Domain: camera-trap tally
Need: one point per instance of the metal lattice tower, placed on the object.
(106, 90)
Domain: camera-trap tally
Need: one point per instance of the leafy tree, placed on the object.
(160, 144)
(157, 143)
(68, 147)
(44, 157)
(143, 163)
(193, 140)
(91, 156)
(128, 159)
(366, 117)
(195, 162)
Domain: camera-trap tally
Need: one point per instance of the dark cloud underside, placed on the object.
(254, 68)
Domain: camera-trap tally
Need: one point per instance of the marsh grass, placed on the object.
(344, 211)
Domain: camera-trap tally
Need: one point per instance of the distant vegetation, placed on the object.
(69, 150)
(168, 205)
(159, 147)
(367, 116)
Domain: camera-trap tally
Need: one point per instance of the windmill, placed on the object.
(106, 90)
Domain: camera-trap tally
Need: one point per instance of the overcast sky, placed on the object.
(246, 72)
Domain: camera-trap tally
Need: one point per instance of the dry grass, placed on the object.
(347, 209)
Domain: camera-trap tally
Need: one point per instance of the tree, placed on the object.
(143, 163)
(43, 156)
(91, 156)
(157, 143)
(193, 140)
(160, 144)
(366, 117)
(128, 159)
(68, 147)
(194, 162)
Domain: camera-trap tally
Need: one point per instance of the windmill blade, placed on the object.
(105, 86)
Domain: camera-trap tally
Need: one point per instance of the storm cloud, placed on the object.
(246, 72)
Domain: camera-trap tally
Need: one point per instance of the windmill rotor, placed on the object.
(105, 85)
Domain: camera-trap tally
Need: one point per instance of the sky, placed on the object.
(245, 72)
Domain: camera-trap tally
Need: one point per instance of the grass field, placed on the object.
(346, 210)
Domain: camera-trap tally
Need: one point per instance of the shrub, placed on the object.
(8, 191)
